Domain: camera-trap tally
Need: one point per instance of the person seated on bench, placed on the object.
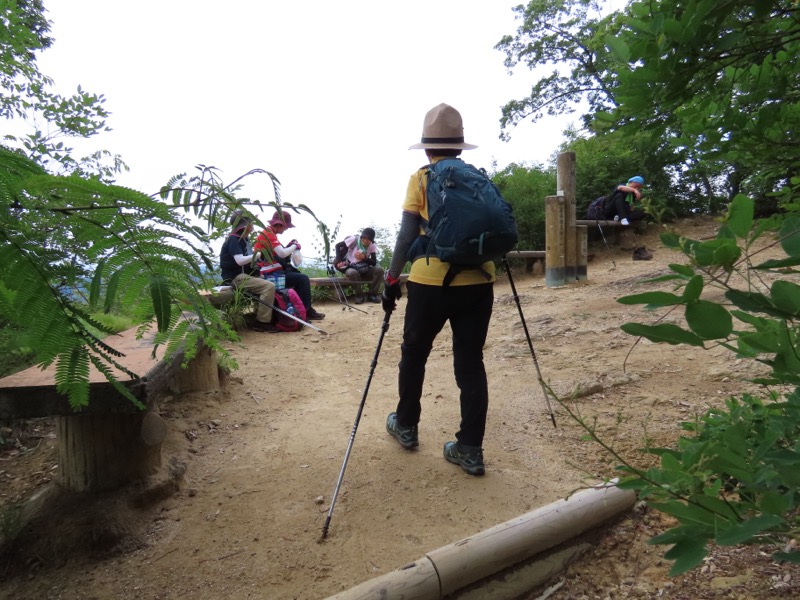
(271, 248)
(240, 271)
(620, 205)
(357, 258)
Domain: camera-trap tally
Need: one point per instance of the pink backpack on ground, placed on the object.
(288, 301)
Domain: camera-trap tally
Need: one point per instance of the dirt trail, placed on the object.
(260, 459)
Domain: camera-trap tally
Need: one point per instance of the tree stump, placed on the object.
(104, 451)
(201, 374)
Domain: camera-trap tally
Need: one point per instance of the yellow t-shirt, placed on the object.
(430, 270)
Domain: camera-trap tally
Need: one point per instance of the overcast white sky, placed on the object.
(328, 96)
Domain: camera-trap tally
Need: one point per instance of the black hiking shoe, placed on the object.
(313, 315)
(264, 327)
(469, 458)
(407, 436)
(641, 253)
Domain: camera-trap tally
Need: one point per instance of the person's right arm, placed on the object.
(630, 190)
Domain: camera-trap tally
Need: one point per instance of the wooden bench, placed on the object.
(110, 442)
(601, 223)
(531, 257)
(321, 282)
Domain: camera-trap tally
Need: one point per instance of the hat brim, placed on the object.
(277, 222)
(442, 146)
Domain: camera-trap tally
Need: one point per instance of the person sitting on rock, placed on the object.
(357, 258)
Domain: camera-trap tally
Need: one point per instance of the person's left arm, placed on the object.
(372, 257)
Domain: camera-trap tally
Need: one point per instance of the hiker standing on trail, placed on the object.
(272, 250)
(357, 258)
(240, 271)
(620, 204)
(466, 303)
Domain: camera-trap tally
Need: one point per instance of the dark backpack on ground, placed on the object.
(596, 209)
(288, 301)
(469, 221)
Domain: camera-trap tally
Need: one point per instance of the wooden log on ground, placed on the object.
(417, 581)
(489, 552)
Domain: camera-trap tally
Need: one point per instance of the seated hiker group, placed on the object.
(268, 269)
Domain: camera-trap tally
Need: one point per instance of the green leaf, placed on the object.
(779, 263)
(790, 236)
(792, 557)
(162, 302)
(740, 216)
(651, 299)
(688, 554)
(684, 270)
(671, 240)
(664, 332)
(775, 503)
(619, 48)
(111, 291)
(786, 296)
(708, 320)
(693, 289)
(745, 531)
(753, 302)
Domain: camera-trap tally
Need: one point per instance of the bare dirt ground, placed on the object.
(255, 465)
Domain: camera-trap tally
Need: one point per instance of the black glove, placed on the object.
(391, 294)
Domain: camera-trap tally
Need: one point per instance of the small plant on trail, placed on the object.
(734, 477)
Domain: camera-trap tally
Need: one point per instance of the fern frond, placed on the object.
(72, 377)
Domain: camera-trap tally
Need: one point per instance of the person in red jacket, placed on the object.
(271, 249)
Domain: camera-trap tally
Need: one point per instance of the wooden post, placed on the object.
(554, 241)
(565, 184)
(582, 243)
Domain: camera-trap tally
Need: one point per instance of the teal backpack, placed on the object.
(469, 221)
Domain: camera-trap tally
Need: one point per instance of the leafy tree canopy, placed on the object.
(569, 37)
(26, 94)
(722, 74)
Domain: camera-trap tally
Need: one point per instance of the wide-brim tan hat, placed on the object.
(443, 129)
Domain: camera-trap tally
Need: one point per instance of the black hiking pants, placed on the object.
(468, 309)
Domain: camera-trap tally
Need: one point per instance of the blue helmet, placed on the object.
(637, 179)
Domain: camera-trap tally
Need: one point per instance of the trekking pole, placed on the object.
(283, 312)
(603, 235)
(337, 286)
(384, 328)
(344, 304)
(530, 343)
